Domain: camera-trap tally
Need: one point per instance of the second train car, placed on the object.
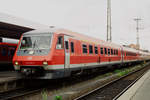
(7, 50)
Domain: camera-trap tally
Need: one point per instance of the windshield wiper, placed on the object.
(25, 50)
(36, 45)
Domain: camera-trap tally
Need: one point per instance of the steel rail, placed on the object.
(111, 82)
(18, 93)
(116, 97)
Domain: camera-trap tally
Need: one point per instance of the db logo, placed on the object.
(29, 58)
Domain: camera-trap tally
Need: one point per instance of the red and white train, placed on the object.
(7, 50)
(57, 53)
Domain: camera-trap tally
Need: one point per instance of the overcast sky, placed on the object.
(87, 16)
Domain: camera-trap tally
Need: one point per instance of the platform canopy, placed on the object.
(13, 27)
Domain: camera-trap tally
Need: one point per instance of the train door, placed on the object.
(67, 52)
(122, 55)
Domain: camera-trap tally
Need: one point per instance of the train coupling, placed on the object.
(28, 71)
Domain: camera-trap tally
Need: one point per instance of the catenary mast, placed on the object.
(137, 30)
(109, 36)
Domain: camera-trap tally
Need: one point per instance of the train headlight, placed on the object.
(16, 63)
(45, 63)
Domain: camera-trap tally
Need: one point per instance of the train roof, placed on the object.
(8, 40)
(128, 49)
(82, 37)
(144, 53)
(75, 35)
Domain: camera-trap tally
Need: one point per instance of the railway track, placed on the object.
(115, 88)
(50, 86)
(29, 87)
(47, 84)
(17, 93)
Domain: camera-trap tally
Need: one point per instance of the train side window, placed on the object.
(1, 40)
(4, 52)
(102, 52)
(117, 52)
(72, 47)
(114, 52)
(96, 50)
(59, 42)
(66, 45)
(90, 49)
(11, 52)
(105, 51)
(108, 51)
(111, 51)
(84, 48)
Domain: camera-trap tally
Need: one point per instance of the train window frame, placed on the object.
(11, 52)
(108, 51)
(111, 51)
(4, 52)
(124, 53)
(58, 44)
(96, 49)
(117, 52)
(90, 49)
(105, 51)
(66, 45)
(130, 54)
(1, 40)
(114, 51)
(101, 50)
(84, 49)
(72, 47)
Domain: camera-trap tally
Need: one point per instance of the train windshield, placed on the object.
(34, 44)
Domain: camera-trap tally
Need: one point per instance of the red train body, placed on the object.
(7, 50)
(57, 53)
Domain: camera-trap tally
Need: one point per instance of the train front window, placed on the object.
(35, 44)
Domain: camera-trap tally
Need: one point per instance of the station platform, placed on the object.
(7, 76)
(140, 90)
(8, 81)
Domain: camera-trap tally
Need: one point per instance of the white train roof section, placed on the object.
(84, 38)
(8, 40)
(76, 35)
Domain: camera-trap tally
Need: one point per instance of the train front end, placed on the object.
(33, 54)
